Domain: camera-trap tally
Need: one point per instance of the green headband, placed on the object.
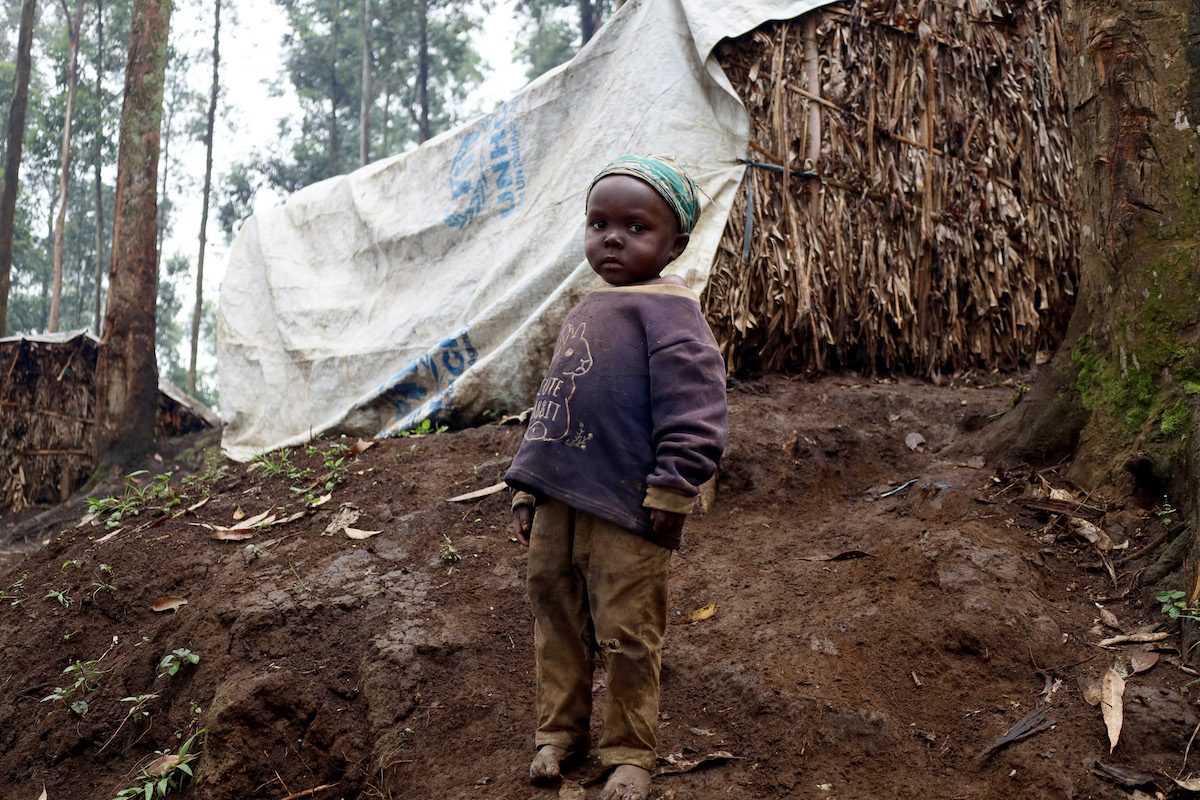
(667, 178)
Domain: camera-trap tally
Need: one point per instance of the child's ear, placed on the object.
(681, 243)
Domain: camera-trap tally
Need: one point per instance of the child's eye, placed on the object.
(637, 228)
(599, 225)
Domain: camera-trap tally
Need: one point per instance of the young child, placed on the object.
(628, 422)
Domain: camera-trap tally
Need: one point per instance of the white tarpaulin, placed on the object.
(432, 284)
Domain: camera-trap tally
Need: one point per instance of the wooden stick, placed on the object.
(310, 792)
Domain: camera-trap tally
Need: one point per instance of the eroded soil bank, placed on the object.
(867, 640)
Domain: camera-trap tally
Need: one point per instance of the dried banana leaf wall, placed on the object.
(47, 418)
(923, 222)
(47, 408)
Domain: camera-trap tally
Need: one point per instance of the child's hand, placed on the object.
(522, 524)
(667, 523)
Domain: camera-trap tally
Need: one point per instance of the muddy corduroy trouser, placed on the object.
(594, 585)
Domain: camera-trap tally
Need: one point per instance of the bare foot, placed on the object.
(627, 783)
(545, 766)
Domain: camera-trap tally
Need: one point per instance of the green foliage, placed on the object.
(299, 585)
(135, 499)
(12, 593)
(86, 678)
(104, 581)
(176, 660)
(425, 428)
(449, 554)
(1175, 605)
(279, 464)
(1175, 419)
(165, 774)
(60, 595)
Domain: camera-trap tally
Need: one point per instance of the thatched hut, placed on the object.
(909, 201)
(47, 417)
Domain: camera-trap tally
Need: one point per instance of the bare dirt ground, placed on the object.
(864, 642)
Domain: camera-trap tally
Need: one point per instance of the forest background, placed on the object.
(301, 90)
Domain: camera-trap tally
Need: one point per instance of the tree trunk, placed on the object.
(1123, 388)
(335, 155)
(12, 160)
(166, 121)
(64, 181)
(364, 127)
(423, 129)
(96, 310)
(127, 374)
(589, 21)
(208, 162)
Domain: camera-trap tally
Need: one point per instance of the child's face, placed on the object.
(631, 232)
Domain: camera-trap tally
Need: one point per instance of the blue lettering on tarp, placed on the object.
(487, 165)
(426, 381)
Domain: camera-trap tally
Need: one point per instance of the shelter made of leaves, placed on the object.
(47, 417)
(909, 201)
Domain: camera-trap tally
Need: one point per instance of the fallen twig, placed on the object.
(310, 792)
(1133, 638)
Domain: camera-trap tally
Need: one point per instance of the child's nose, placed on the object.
(612, 237)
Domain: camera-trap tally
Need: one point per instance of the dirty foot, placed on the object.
(546, 764)
(627, 783)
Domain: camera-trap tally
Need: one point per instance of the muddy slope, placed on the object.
(865, 642)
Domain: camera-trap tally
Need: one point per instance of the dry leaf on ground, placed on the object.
(229, 535)
(1087, 530)
(238, 514)
(360, 446)
(1090, 688)
(1112, 699)
(355, 533)
(1140, 662)
(1110, 619)
(493, 489)
(168, 603)
(162, 765)
(698, 614)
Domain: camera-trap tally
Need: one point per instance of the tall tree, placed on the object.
(98, 156)
(12, 160)
(74, 26)
(1123, 391)
(554, 30)
(420, 58)
(364, 114)
(127, 392)
(208, 162)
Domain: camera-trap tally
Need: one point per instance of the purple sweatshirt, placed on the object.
(631, 415)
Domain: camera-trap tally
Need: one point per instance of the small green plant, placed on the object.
(213, 470)
(138, 709)
(60, 595)
(13, 590)
(1175, 605)
(176, 660)
(279, 464)
(87, 678)
(424, 428)
(74, 562)
(299, 585)
(134, 499)
(104, 581)
(165, 774)
(449, 554)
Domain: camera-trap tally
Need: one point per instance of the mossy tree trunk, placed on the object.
(1123, 392)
